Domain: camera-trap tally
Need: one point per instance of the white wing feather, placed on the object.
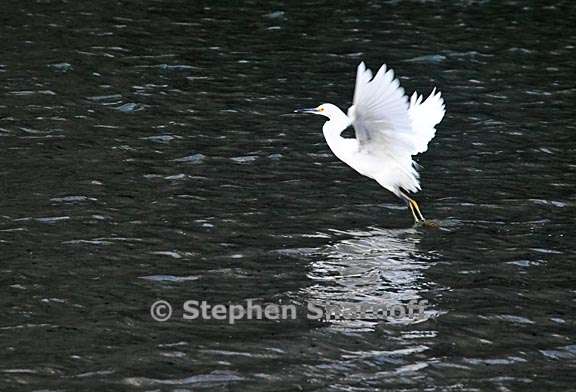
(425, 115)
(380, 111)
(388, 130)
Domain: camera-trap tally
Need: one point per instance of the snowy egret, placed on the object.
(389, 131)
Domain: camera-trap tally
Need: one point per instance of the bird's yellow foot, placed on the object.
(415, 210)
(429, 224)
(419, 218)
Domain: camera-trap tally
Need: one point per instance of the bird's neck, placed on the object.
(334, 127)
(332, 130)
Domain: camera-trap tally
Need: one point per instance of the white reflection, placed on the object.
(378, 267)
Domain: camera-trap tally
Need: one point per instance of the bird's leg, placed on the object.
(416, 219)
(422, 220)
(414, 208)
(417, 209)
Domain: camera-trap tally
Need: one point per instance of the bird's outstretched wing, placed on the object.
(380, 115)
(384, 122)
(425, 115)
(389, 130)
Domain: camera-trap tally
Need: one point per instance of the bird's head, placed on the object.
(326, 109)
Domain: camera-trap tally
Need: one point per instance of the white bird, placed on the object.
(389, 131)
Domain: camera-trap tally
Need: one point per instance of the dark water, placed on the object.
(145, 156)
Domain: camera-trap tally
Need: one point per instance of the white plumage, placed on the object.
(389, 131)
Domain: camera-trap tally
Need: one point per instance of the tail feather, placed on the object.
(424, 116)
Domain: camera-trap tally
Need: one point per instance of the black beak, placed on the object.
(309, 111)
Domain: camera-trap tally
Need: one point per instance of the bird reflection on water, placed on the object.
(377, 267)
